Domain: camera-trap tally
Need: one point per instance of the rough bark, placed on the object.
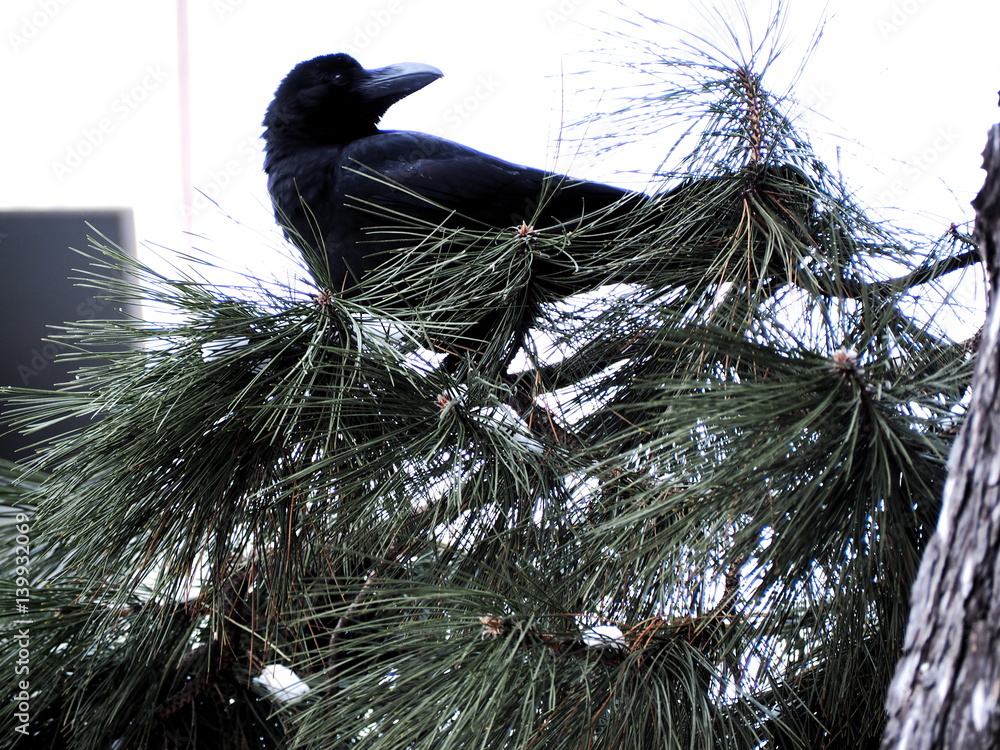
(947, 685)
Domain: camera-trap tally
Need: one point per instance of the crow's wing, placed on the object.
(422, 176)
(338, 200)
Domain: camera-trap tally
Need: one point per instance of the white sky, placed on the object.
(906, 88)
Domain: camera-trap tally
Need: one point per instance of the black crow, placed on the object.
(330, 170)
(337, 181)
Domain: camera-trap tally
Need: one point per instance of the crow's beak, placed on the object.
(383, 87)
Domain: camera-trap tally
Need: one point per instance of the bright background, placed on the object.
(898, 96)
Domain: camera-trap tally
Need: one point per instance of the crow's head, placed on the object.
(332, 99)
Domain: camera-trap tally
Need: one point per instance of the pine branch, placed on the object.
(926, 273)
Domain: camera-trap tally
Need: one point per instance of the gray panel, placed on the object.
(36, 292)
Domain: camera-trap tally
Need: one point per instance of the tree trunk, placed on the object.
(947, 685)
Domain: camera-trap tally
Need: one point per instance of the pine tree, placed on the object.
(689, 515)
